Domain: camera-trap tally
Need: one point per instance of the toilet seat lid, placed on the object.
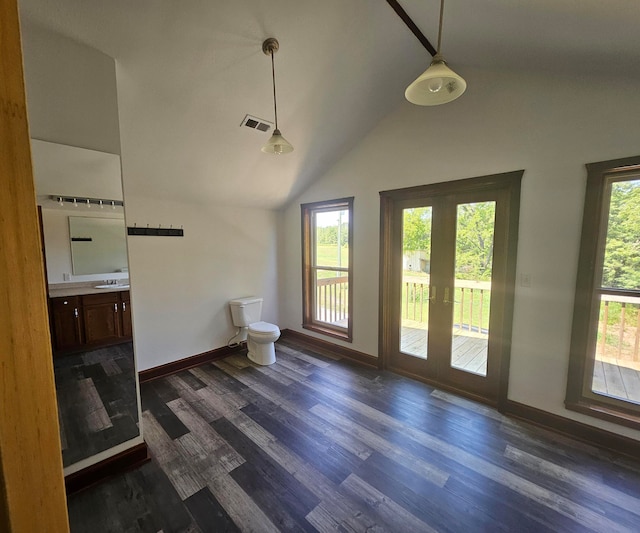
(263, 327)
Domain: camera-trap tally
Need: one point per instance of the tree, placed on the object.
(474, 240)
(622, 250)
(416, 229)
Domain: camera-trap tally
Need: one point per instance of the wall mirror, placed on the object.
(98, 245)
(85, 244)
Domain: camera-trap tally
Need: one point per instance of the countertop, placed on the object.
(61, 290)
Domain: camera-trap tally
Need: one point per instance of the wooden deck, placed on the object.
(470, 355)
(469, 351)
(617, 381)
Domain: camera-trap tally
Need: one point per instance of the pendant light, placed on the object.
(438, 84)
(277, 144)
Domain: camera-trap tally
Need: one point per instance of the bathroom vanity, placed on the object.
(85, 317)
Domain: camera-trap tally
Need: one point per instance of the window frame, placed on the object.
(309, 267)
(579, 396)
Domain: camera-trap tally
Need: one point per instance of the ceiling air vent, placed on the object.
(256, 123)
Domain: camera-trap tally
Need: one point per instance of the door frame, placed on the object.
(32, 495)
(509, 184)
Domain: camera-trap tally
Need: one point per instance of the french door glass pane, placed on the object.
(616, 371)
(416, 267)
(332, 297)
(475, 226)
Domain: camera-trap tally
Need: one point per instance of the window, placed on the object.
(327, 253)
(604, 368)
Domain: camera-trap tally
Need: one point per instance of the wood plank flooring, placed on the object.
(319, 444)
(97, 403)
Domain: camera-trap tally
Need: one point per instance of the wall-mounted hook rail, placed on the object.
(156, 232)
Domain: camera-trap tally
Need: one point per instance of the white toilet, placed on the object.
(260, 336)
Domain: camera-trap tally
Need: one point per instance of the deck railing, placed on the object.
(619, 327)
(471, 304)
(332, 298)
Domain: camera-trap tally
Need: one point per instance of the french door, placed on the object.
(448, 271)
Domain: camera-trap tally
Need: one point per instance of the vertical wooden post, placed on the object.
(605, 321)
(621, 333)
(637, 343)
(32, 496)
(406, 303)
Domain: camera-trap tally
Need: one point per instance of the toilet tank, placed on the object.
(245, 311)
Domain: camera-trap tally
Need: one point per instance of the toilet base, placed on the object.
(261, 354)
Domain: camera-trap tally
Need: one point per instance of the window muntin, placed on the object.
(327, 259)
(604, 373)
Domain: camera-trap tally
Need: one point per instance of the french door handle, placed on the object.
(432, 294)
(446, 296)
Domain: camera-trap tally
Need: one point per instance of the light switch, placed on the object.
(525, 280)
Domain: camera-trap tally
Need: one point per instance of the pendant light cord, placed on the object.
(440, 26)
(273, 77)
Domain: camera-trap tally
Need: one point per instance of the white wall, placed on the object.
(71, 91)
(549, 126)
(180, 286)
(57, 244)
(72, 99)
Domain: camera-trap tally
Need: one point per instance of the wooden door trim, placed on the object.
(510, 183)
(32, 496)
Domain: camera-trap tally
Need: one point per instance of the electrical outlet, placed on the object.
(525, 280)
(66, 276)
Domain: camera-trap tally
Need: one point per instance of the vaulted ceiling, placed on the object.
(189, 71)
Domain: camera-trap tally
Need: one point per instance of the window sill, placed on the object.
(608, 413)
(330, 332)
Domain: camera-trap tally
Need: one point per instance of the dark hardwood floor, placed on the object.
(316, 444)
(97, 404)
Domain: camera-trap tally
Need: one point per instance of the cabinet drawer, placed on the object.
(65, 302)
(104, 298)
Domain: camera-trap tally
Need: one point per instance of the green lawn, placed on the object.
(327, 255)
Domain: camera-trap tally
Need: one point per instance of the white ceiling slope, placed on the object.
(189, 71)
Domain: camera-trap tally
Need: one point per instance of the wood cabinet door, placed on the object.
(101, 317)
(67, 323)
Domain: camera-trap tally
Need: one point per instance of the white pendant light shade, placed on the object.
(436, 85)
(277, 144)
